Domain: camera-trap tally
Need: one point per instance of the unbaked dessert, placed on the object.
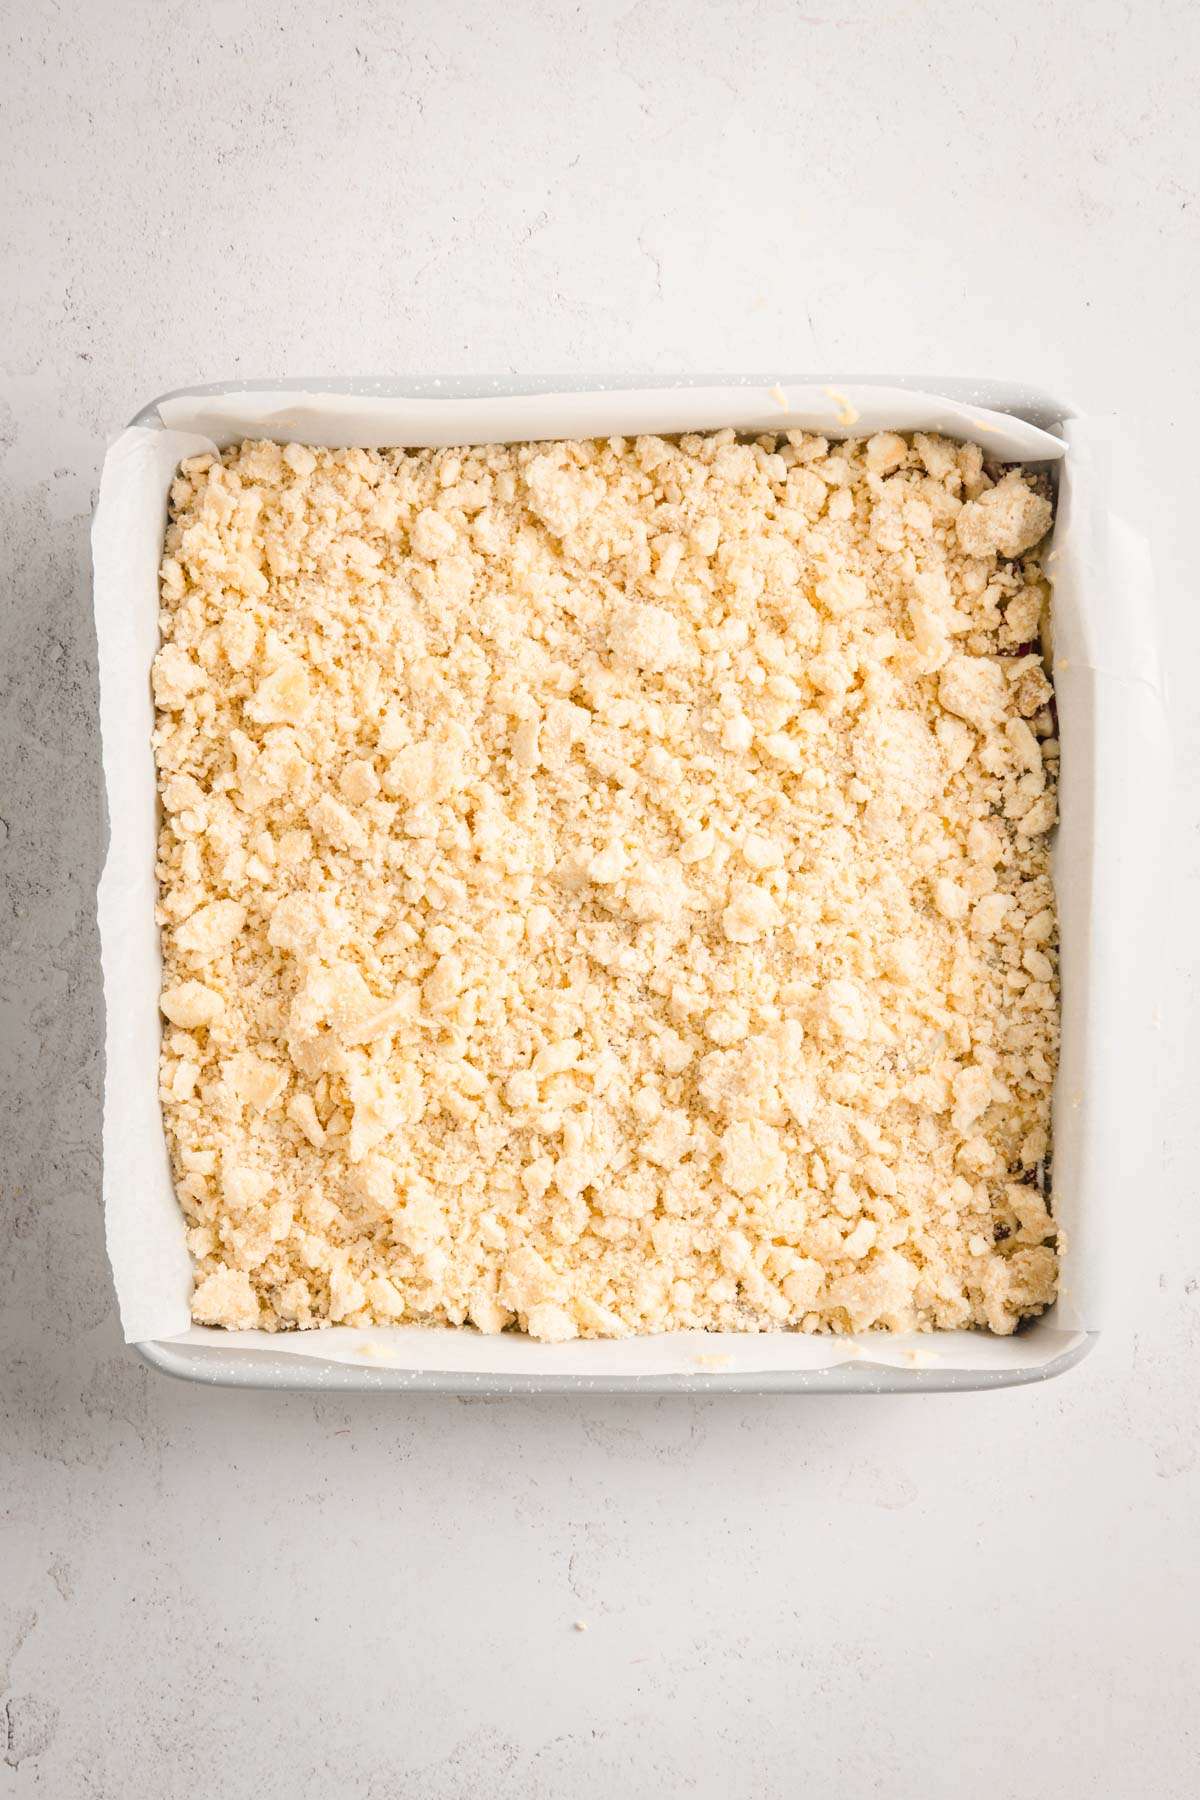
(605, 886)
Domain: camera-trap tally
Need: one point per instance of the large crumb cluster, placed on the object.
(604, 886)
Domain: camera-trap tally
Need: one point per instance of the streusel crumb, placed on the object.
(605, 886)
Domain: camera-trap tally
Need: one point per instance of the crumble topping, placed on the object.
(604, 886)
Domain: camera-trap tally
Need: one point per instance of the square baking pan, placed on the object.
(1103, 657)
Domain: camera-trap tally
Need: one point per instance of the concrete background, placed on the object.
(247, 1595)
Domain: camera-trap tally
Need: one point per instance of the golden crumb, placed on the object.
(604, 886)
(847, 413)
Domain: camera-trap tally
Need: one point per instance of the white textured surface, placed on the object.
(241, 1594)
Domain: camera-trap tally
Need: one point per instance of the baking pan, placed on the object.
(1101, 646)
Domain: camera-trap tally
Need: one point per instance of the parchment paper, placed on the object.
(1110, 711)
